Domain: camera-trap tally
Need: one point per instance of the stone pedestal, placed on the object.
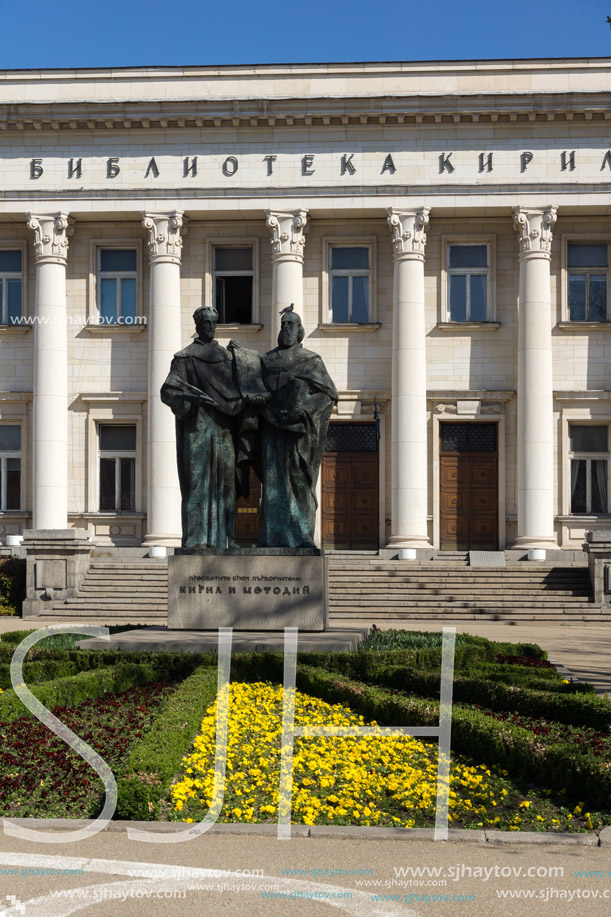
(247, 592)
(56, 564)
(598, 549)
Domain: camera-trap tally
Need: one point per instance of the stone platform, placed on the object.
(162, 639)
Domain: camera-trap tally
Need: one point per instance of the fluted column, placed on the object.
(288, 240)
(164, 331)
(50, 409)
(409, 431)
(535, 458)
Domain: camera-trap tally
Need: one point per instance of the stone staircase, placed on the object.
(120, 592)
(363, 588)
(374, 590)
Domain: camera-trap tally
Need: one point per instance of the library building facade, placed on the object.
(442, 228)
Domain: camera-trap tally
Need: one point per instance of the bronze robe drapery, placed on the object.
(293, 429)
(202, 391)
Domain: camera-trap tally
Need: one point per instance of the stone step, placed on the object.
(433, 566)
(461, 602)
(485, 572)
(115, 586)
(126, 608)
(456, 618)
(395, 586)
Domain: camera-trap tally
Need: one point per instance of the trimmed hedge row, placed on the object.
(67, 692)
(146, 776)
(170, 666)
(35, 672)
(572, 709)
(561, 767)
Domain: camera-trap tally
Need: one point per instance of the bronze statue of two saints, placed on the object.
(236, 409)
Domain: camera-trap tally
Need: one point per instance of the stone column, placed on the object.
(535, 456)
(50, 421)
(288, 240)
(164, 330)
(409, 428)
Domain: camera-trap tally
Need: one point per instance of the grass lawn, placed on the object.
(530, 751)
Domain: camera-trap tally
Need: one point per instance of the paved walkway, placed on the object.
(258, 876)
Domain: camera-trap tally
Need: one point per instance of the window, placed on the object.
(11, 283)
(350, 283)
(468, 272)
(117, 453)
(10, 467)
(117, 293)
(233, 280)
(589, 468)
(587, 279)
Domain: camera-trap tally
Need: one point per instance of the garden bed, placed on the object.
(530, 750)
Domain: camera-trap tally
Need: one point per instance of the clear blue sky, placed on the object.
(91, 33)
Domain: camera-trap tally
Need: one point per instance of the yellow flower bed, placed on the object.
(359, 781)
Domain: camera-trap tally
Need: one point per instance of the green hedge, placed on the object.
(561, 767)
(146, 776)
(35, 672)
(67, 692)
(572, 709)
(170, 666)
(569, 708)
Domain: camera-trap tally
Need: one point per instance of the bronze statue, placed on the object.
(235, 408)
(292, 433)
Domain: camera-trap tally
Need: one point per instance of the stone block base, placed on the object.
(162, 640)
(56, 564)
(262, 592)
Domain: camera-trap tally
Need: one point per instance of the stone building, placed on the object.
(443, 228)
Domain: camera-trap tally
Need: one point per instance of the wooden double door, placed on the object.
(469, 518)
(350, 492)
(350, 488)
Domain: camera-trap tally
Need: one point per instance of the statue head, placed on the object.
(292, 331)
(205, 319)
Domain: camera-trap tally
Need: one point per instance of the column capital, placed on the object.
(408, 228)
(534, 227)
(51, 236)
(165, 235)
(288, 234)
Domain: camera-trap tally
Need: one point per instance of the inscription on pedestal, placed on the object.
(247, 592)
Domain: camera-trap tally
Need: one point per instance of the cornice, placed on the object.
(357, 111)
